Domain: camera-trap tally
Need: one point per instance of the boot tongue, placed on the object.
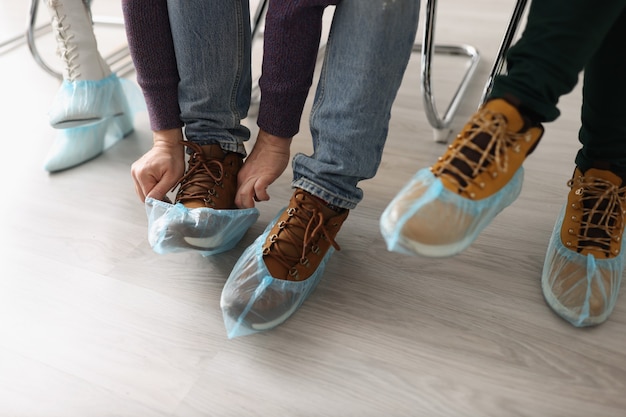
(514, 122)
(605, 175)
(213, 152)
(596, 249)
(514, 119)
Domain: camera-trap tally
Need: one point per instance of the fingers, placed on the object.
(245, 195)
(140, 189)
(260, 191)
(251, 191)
(158, 192)
(148, 186)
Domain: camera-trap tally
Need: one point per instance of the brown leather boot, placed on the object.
(301, 237)
(488, 151)
(294, 253)
(211, 178)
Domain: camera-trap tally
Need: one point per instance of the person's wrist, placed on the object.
(169, 138)
(273, 140)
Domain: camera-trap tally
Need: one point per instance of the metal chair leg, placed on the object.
(498, 66)
(259, 15)
(441, 125)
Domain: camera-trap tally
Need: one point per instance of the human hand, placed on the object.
(267, 161)
(158, 170)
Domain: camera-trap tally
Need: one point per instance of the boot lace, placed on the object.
(298, 235)
(201, 179)
(66, 50)
(603, 205)
(483, 144)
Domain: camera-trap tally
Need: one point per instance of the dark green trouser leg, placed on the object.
(603, 131)
(559, 41)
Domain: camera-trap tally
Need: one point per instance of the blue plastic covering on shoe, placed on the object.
(425, 218)
(580, 288)
(74, 145)
(175, 228)
(83, 102)
(253, 301)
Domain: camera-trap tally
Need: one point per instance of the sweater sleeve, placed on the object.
(152, 50)
(290, 46)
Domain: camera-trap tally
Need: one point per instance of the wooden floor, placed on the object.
(93, 323)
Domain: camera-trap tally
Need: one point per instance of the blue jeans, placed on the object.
(212, 42)
(368, 49)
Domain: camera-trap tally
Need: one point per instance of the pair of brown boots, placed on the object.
(300, 238)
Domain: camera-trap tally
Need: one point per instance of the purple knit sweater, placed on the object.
(291, 41)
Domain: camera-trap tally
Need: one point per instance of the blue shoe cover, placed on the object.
(580, 288)
(73, 146)
(175, 228)
(425, 218)
(253, 301)
(79, 103)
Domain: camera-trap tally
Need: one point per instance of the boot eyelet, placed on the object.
(293, 272)
(315, 249)
(273, 238)
(305, 262)
(569, 244)
(579, 191)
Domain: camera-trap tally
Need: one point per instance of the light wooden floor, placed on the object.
(93, 323)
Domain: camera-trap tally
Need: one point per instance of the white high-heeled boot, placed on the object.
(90, 91)
(93, 108)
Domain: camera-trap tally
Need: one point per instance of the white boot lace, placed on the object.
(66, 50)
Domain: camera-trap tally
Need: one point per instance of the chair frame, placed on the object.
(440, 123)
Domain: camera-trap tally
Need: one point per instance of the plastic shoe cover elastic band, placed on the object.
(175, 228)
